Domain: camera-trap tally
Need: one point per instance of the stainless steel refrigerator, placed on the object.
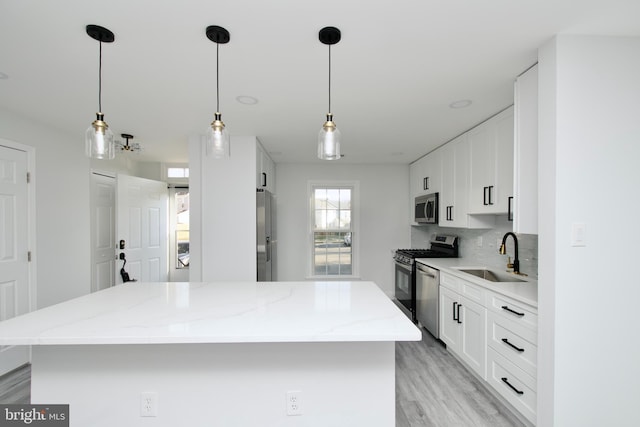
(266, 242)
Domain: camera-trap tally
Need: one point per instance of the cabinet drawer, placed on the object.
(520, 313)
(449, 281)
(514, 342)
(513, 384)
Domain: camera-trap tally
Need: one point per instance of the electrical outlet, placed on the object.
(294, 403)
(149, 404)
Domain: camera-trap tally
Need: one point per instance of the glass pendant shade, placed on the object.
(329, 141)
(99, 142)
(217, 138)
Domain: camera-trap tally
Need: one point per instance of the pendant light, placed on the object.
(329, 136)
(217, 133)
(99, 143)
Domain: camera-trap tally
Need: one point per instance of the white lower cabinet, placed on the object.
(496, 337)
(512, 364)
(518, 388)
(463, 324)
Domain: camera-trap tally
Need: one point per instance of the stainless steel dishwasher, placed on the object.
(428, 298)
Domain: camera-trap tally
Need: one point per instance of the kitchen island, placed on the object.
(226, 354)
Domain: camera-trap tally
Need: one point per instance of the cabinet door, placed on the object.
(525, 153)
(473, 342)
(416, 172)
(482, 149)
(491, 147)
(446, 202)
(503, 181)
(424, 174)
(449, 326)
(265, 170)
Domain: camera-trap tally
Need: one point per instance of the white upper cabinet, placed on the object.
(454, 194)
(265, 170)
(525, 153)
(425, 174)
(455, 183)
(491, 161)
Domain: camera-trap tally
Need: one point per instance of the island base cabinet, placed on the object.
(513, 384)
(237, 384)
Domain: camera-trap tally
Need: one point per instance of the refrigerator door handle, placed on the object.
(268, 248)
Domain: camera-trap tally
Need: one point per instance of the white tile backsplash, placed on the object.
(481, 247)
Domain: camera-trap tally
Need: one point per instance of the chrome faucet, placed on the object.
(503, 251)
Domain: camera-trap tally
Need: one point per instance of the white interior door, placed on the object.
(14, 262)
(142, 223)
(103, 236)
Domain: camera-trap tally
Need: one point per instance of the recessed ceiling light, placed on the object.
(3, 76)
(463, 103)
(247, 100)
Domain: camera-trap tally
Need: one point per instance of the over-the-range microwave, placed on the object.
(426, 209)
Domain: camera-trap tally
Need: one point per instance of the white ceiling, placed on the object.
(395, 72)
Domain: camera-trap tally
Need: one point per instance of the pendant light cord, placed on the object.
(329, 79)
(217, 77)
(100, 82)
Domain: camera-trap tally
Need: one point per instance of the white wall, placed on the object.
(384, 191)
(62, 254)
(589, 369)
(62, 203)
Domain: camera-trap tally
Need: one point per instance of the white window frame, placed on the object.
(177, 181)
(355, 228)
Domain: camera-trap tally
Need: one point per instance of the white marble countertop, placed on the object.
(227, 312)
(526, 292)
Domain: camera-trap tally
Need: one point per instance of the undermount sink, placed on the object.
(492, 276)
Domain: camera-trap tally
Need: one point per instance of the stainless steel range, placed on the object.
(442, 246)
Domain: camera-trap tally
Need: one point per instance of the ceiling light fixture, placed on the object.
(463, 103)
(329, 136)
(98, 140)
(133, 147)
(217, 133)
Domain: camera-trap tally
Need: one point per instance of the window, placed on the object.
(177, 172)
(332, 229)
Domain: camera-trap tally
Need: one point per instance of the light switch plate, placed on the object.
(578, 234)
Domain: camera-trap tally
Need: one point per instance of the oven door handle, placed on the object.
(403, 266)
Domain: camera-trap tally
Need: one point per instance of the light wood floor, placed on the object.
(15, 387)
(432, 390)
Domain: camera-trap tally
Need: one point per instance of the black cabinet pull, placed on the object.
(264, 179)
(425, 183)
(506, 381)
(454, 311)
(504, 307)
(484, 189)
(458, 310)
(509, 209)
(506, 341)
(490, 191)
